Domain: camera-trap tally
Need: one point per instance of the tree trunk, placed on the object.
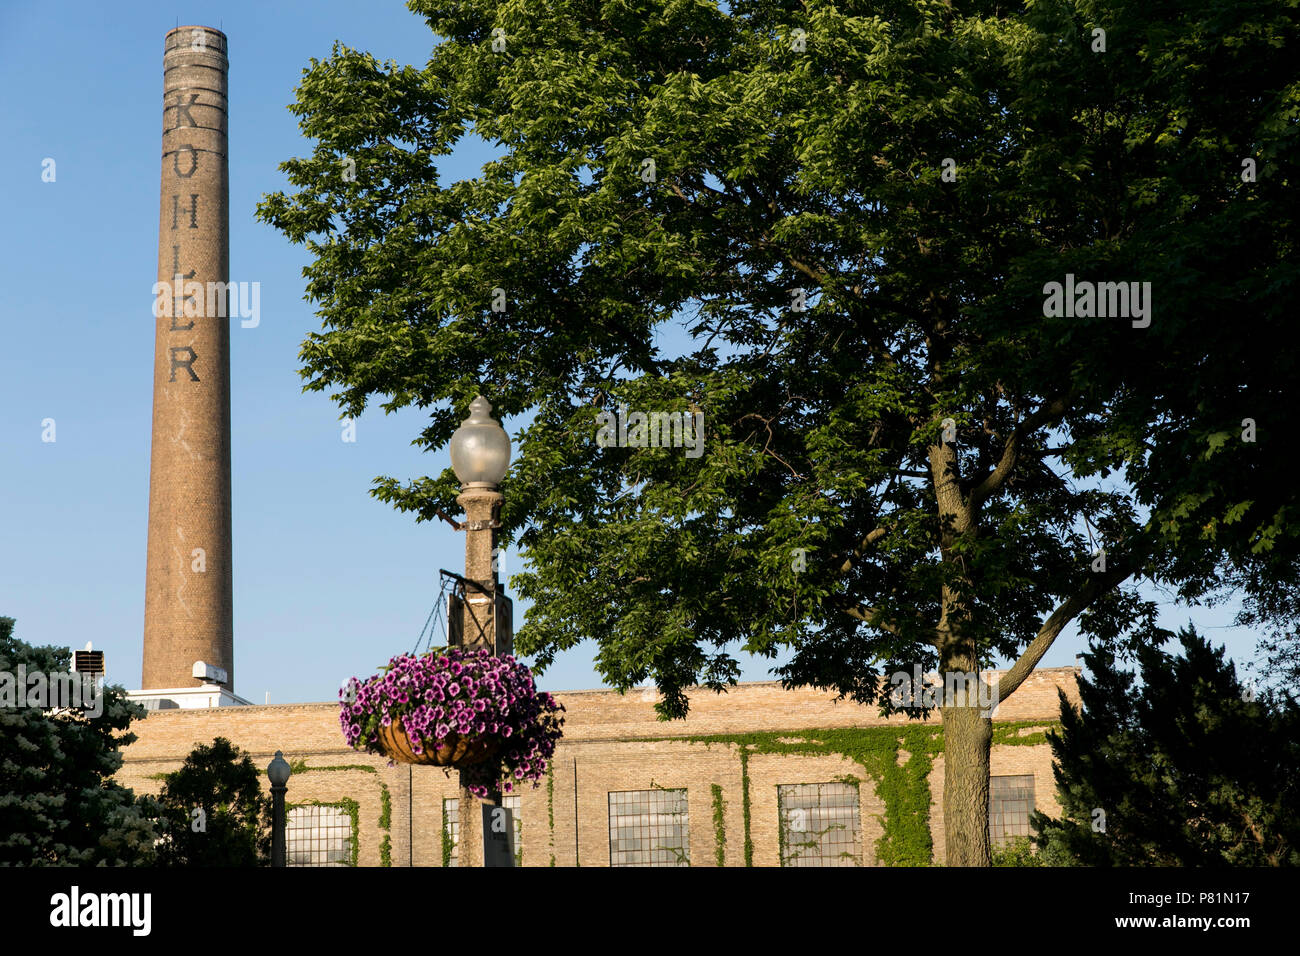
(967, 738)
(967, 734)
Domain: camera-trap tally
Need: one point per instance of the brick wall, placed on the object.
(605, 742)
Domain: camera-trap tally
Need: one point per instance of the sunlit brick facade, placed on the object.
(667, 787)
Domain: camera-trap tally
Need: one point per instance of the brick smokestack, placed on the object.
(188, 612)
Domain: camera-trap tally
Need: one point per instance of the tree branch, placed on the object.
(869, 615)
(1050, 411)
(1098, 584)
(457, 525)
(871, 538)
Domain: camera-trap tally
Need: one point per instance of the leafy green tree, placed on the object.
(215, 810)
(1190, 769)
(850, 214)
(58, 803)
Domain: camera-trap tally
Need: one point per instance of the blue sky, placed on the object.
(328, 581)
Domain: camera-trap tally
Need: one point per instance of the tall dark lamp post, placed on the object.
(279, 772)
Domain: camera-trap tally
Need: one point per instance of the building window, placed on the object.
(511, 802)
(318, 836)
(451, 830)
(451, 833)
(649, 828)
(1011, 800)
(819, 824)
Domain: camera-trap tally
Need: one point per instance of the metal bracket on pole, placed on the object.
(503, 643)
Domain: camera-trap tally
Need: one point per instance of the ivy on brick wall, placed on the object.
(719, 826)
(385, 807)
(550, 805)
(300, 766)
(903, 788)
(347, 804)
(744, 806)
(385, 821)
(1013, 735)
(447, 845)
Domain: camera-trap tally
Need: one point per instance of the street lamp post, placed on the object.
(279, 771)
(480, 455)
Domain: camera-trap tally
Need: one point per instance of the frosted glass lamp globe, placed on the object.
(480, 448)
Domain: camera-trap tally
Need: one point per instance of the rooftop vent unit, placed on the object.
(88, 662)
(209, 672)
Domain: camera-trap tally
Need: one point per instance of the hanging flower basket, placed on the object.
(468, 710)
(456, 751)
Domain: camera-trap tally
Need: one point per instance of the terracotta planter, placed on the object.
(456, 751)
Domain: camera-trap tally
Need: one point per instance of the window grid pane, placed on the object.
(649, 828)
(511, 802)
(819, 824)
(318, 836)
(1011, 800)
(451, 809)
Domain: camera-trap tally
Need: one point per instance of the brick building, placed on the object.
(758, 776)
